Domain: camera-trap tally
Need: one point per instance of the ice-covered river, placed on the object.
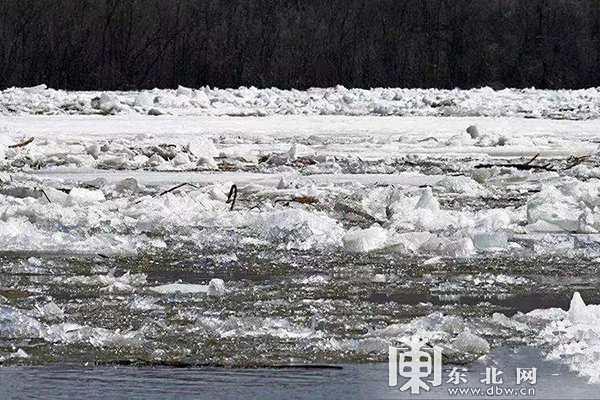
(347, 234)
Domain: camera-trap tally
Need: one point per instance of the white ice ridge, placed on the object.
(532, 103)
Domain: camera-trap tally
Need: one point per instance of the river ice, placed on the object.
(349, 230)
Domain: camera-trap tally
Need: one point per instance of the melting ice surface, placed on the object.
(348, 233)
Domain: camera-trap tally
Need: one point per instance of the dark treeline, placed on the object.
(129, 44)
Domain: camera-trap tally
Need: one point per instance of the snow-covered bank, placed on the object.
(530, 103)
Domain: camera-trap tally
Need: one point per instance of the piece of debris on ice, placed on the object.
(473, 131)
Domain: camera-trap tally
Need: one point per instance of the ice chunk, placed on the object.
(183, 91)
(468, 342)
(217, 194)
(16, 323)
(184, 288)
(109, 104)
(428, 201)
(552, 243)
(117, 287)
(283, 184)
(155, 160)
(202, 148)
(21, 192)
(409, 242)
(127, 185)
(35, 89)
(503, 320)
(459, 248)
(109, 281)
(382, 202)
(447, 246)
(94, 150)
(216, 287)
(181, 159)
(51, 311)
(20, 353)
(432, 261)
(578, 312)
(207, 163)
(299, 229)
(315, 280)
(144, 99)
(550, 205)
(144, 303)
(463, 185)
(543, 226)
(461, 139)
(490, 241)
(85, 196)
(587, 220)
(299, 150)
(365, 240)
(480, 175)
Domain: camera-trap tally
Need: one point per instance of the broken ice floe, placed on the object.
(571, 337)
(125, 216)
(216, 287)
(17, 323)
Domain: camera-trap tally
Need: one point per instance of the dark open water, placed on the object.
(355, 381)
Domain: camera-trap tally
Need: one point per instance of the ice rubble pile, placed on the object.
(127, 217)
(452, 333)
(570, 206)
(418, 224)
(19, 324)
(108, 220)
(252, 326)
(571, 337)
(572, 104)
(142, 152)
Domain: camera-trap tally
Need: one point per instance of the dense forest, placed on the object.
(135, 44)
